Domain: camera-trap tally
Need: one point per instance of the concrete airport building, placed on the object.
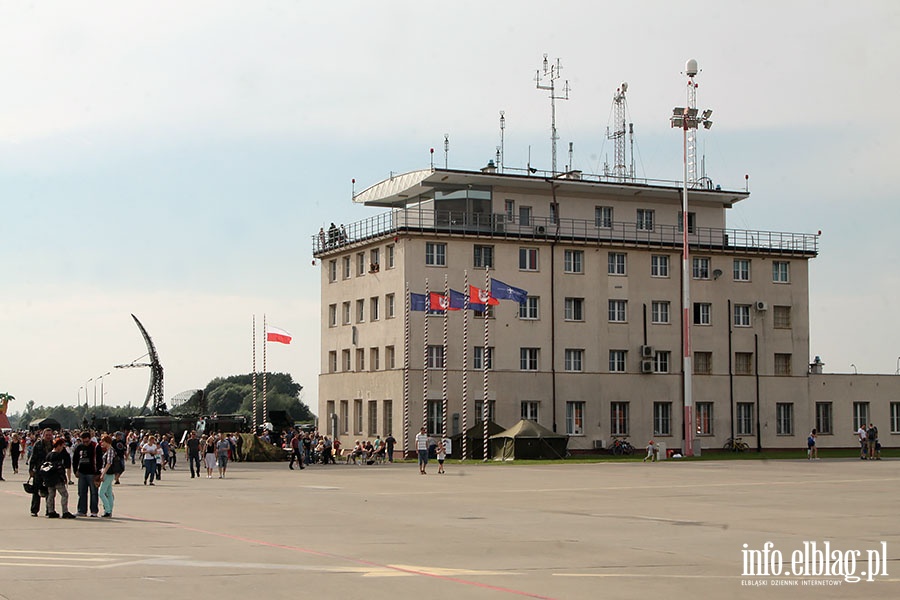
(595, 350)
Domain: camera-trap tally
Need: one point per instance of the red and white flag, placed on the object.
(274, 334)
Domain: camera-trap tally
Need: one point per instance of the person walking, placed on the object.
(192, 449)
(296, 452)
(863, 445)
(223, 447)
(149, 452)
(812, 453)
(389, 443)
(121, 448)
(15, 449)
(4, 445)
(86, 462)
(871, 438)
(209, 455)
(40, 449)
(107, 475)
(441, 456)
(422, 449)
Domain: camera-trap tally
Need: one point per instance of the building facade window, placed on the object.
(389, 300)
(345, 361)
(435, 356)
(704, 418)
(692, 221)
(374, 260)
(387, 417)
(372, 428)
(781, 271)
(332, 361)
(702, 313)
(345, 417)
(346, 267)
(360, 264)
(389, 358)
(617, 312)
(860, 415)
(435, 419)
(574, 360)
(524, 215)
(659, 312)
(332, 315)
(644, 220)
(784, 418)
(509, 207)
(702, 363)
(661, 360)
(662, 418)
(389, 251)
(554, 212)
(781, 317)
(700, 267)
(573, 261)
(478, 358)
(618, 418)
(358, 416)
(617, 361)
(895, 417)
(374, 359)
(360, 360)
(435, 254)
(824, 418)
(575, 418)
(603, 217)
(332, 271)
(783, 364)
(616, 263)
(530, 309)
(744, 418)
(479, 411)
(360, 310)
(375, 308)
(528, 259)
(483, 257)
(528, 359)
(345, 313)
(742, 315)
(530, 410)
(659, 265)
(741, 269)
(574, 309)
(743, 363)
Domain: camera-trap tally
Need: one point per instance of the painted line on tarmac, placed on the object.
(395, 568)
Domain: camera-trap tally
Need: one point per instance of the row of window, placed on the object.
(619, 417)
(530, 360)
(364, 263)
(645, 218)
(360, 312)
(616, 262)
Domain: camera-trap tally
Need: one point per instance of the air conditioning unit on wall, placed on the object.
(599, 445)
(646, 366)
(761, 305)
(646, 351)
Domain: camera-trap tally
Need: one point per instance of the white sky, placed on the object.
(173, 160)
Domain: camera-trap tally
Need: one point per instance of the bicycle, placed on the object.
(736, 445)
(621, 447)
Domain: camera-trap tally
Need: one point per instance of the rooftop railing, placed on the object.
(576, 231)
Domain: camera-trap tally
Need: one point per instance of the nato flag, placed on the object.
(502, 291)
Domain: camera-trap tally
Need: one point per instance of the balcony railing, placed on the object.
(578, 231)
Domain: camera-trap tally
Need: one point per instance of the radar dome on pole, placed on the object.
(690, 68)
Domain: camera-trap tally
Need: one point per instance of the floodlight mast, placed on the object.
(687, 119)
(551, 74)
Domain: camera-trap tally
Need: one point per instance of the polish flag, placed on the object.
(274, 334)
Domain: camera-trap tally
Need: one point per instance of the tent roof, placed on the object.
(527, 429)
(477, 431)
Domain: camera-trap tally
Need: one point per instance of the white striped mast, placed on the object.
(425, 359)
(406, 372)
(444, 360)
(254, 373)
(265, 414)
(484, 367)
(465, 361)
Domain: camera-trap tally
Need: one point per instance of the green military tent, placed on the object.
(527, 439)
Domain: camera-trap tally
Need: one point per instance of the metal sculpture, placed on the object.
(155, 390)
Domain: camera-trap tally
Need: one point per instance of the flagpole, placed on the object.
(484, 368)
(254, 373)
(406, 371)
(465, 360)
(425, 361)
(265, 414)
(445, 361)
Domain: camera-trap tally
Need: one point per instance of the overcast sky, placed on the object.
(173, 159)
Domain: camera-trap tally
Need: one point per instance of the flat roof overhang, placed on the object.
(401, 190)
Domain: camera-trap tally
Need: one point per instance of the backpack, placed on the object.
(871, 434)
(117, 466)
(51, 473)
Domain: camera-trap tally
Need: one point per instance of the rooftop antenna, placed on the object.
(571, 158)
(446, 148)
(502, 128)
(620, 168)
(551, 74)
(690, 120)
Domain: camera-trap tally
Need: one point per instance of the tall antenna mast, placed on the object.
(691, 70)
(446, 149)
(502, 128)
(620, 167)
(551, 74)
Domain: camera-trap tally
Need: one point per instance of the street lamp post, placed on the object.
(100, 379)
(688, 120)
(87, 403)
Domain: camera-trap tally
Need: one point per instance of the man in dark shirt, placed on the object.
(192, 448)
(87, 460)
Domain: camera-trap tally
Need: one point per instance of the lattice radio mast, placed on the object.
(621, 168)
(551, 74)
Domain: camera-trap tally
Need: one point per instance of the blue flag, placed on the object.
(502, 291)
(418, 302)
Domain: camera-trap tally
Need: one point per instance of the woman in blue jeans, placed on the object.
(148, 454)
